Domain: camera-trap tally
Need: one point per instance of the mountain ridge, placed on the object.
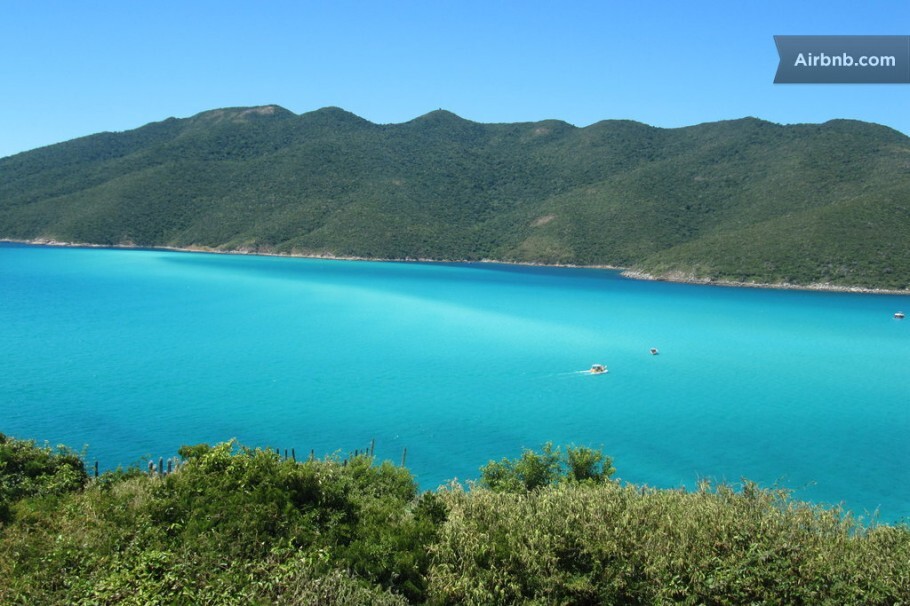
(741, 200)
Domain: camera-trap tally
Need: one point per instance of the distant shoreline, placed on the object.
(681, 278)
(674, 277)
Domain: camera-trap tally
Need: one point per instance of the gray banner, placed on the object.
(843, 59)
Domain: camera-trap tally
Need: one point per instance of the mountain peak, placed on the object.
(440, 116)
(242, 114)
(334, 110)
(332, 115)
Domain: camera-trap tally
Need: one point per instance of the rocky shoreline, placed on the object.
(675, 277)
(683, 278)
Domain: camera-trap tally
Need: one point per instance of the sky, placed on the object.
(71, 69)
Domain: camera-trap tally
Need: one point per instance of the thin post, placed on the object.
(151, 467)
(170, 467)
(312, 454)
(293, 455)
(285, 454)
(372, 447)
(404, 456)
(160, 466)
(96, 469)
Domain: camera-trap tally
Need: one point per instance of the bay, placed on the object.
(133, 353)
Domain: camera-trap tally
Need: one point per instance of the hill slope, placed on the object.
(739, 200)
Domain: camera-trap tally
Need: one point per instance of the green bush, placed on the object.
(235, 525)
(613, 544)
(535, 470)
(27, 469)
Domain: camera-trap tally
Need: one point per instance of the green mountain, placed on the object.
(742, 200)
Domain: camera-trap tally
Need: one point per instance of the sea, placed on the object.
(125, 355)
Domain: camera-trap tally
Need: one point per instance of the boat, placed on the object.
(899, 315)
(654, 351)
(598, 369)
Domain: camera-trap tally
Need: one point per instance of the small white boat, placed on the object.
(654, 351)
(598, 369)
(899, 315)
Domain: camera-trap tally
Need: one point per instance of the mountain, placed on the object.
(743, 200)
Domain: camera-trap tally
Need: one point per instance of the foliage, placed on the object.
(236, 525)
(30, 470)
(232, 525)
(742, 200)
(535, 470)
(613, 544)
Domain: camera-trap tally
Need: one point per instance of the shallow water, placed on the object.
(134, 353)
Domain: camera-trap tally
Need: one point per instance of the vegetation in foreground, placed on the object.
(241, 526)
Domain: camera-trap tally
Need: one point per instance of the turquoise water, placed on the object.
(134, 353)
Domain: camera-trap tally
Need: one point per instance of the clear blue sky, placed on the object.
(75, 68)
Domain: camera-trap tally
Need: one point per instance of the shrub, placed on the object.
(30, 470)
(535, 470)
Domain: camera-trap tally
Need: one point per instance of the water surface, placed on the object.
(134, 353)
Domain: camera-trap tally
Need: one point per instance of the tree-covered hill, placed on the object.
(743, 200)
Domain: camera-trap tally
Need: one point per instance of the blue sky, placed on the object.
(75, 68)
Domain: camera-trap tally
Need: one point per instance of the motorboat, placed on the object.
(598, 369)
(654, 351)
(899, 315)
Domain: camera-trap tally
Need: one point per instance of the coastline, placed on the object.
(683, 278)
(673, 277)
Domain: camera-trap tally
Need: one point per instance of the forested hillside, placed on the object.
(742, 200)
